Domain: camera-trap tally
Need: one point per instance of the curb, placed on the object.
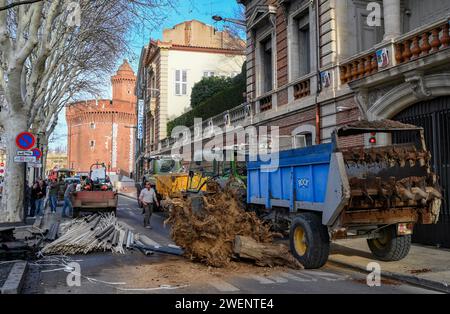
(15, 280)
(421, 282)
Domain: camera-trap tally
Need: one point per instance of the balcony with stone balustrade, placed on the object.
(415, 45)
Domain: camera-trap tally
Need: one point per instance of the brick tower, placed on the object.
(103, 130)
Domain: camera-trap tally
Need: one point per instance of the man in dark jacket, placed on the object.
(39, 193)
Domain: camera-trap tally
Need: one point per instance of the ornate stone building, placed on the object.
(103, 130)
(56, 160)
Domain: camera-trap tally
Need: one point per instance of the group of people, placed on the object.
(36, 198)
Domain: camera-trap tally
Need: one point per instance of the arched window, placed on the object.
(303, 136)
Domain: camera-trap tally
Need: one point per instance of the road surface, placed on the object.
(136, 273)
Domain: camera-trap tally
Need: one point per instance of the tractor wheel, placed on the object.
(390, 246)
(309, 240)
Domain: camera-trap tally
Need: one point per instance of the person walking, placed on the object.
(33, 197)
(39, 196)
(148, 199)
(27, 199)
(53, 195)
(68, 199)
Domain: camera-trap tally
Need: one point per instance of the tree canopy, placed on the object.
(208, 87)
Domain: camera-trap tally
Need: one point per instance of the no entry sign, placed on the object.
(25, 140)
(37, 153)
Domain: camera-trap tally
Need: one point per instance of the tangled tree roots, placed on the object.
(206, 228)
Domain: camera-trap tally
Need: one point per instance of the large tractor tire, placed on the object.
(309, 240)
(390, 246)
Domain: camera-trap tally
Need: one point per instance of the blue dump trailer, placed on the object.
(325, 192)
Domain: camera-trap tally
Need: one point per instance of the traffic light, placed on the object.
(373, 139)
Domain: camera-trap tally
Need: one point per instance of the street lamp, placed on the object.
(218, 18)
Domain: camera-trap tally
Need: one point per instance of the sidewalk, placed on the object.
(424, 266)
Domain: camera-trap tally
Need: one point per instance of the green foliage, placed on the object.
(222, 101)
(208, 87)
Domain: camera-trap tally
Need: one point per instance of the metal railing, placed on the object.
(232, 117)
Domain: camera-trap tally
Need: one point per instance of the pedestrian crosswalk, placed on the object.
(223, 286)
(280, 278)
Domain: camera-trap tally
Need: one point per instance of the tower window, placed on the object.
(92, 144)
(92, 125)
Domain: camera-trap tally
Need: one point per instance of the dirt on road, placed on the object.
(182, 272)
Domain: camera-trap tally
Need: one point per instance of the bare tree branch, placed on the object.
(14, 4)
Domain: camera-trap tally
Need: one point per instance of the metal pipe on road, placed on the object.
(116, 238)
(105, 234)
(125, 239)
(96, 223)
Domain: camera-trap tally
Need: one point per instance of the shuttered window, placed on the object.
(180, 82)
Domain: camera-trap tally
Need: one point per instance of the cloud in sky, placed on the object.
(186, 10)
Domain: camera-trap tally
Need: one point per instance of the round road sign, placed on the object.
(25, 140)
(37, 153)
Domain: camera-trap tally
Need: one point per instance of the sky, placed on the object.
(201, 10)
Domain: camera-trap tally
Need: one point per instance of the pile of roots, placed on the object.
(207, 226)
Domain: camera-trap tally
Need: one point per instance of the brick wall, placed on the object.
(288, 123)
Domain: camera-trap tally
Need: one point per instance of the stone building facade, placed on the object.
(103, 130)
(56, 160)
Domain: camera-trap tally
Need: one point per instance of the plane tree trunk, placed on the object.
(13, 194)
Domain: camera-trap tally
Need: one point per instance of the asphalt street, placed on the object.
(136, 273)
